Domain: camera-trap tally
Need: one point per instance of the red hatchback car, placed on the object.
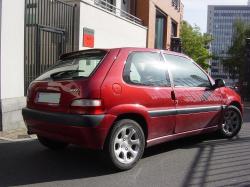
(123, 100)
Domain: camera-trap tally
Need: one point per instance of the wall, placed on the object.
(111, 31)
(12, 43)
(0, 64)
(142, 11)
(146, 10)
(12, 63)
(172, 13)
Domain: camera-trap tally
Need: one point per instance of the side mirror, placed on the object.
(219, 83)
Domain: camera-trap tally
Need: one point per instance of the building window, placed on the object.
(173, 29)
(109, 5)
(160, 25)
(214, 64)
(133, 7)
(128, 7)
(176, 4)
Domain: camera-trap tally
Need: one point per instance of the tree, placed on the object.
(234, 64)
(195, 44)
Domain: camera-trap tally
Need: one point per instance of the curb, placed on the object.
(18, 140)
(16, 135)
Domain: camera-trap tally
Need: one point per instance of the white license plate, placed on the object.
(53, 98)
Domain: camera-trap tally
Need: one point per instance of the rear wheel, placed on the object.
(126, 144)
(232, 122)
(52, 144)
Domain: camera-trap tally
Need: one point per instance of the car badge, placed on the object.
(74, 90)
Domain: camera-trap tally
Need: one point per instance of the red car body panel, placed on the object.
(141, 99)
(229, 96)
(197, 97)
(88, 137)
(120, 98)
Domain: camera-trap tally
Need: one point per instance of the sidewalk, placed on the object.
(16, 135)
(247, 105)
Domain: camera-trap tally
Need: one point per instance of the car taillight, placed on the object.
(87, 106)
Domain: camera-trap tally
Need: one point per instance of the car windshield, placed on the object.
(81, 66)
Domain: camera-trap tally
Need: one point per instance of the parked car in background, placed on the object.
(124, 100)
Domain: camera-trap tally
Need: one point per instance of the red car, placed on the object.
(123, 100)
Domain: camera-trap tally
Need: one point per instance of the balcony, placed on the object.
(117, 8)
(111, 26)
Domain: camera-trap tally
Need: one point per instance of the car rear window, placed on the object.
(75, 67)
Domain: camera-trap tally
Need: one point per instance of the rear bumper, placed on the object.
(63, 119)
(89, 131)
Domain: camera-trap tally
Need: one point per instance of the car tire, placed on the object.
(125, 145)
(232, 122)
(52, 144)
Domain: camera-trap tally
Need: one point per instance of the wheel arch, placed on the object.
(139, 118)
(237, 105)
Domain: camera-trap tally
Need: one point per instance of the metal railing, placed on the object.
(117, 11)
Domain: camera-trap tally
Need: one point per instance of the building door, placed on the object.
(160, 30)
(49, 32)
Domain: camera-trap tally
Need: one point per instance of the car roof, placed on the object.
(77, 53)
(155, 50)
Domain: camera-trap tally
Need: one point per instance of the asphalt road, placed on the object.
(196, 161)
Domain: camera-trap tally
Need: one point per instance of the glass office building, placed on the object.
(220, 24)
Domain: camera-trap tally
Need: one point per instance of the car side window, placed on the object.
(147, 69)
(186, 73)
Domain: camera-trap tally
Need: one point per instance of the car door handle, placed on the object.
(173, 97)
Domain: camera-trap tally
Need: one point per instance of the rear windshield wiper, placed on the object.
(66, 73)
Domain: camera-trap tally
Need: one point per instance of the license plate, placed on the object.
(53, 98)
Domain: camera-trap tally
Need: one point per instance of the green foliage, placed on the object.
(235, 62)
(195, 44)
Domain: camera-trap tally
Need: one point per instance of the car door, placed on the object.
(149, 79)
(198, 105)
(145, 85)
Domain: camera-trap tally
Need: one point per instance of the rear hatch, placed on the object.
(66, 81)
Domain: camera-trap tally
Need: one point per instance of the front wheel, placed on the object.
(126, 144)
(232, 122)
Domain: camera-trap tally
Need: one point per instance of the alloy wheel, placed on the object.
(232, 122)
(127, 145)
